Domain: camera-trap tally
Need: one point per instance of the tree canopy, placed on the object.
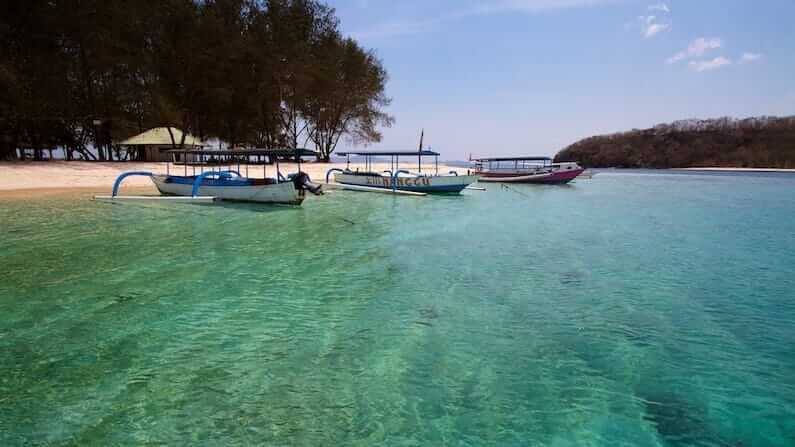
(76, 74)
(764, 142)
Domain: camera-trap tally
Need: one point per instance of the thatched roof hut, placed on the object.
(153, 144)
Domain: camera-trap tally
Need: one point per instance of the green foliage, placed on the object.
(750, 143)
(265, 73)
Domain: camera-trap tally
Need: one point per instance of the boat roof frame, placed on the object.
(394, 158)
(527, 158)
(275, 152)
(422, 153)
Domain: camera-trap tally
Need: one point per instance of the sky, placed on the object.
(529, 77)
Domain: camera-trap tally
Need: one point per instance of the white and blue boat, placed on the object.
(210, 175)
(397, 179)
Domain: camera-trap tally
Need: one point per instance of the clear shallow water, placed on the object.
(633, 309)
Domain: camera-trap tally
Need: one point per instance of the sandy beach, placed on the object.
(46, 178)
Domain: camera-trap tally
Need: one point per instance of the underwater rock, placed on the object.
(572, 278)
(429, 313)
(124, 297)
(680, 422)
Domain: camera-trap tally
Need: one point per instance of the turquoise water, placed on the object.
(637, 309)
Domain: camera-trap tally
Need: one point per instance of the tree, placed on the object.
(80, 74)
(753, 142)
(33, 81)
(346, 95)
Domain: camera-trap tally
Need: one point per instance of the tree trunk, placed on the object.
(98, 146)
(37, 152)
(8, 147)
(295, 131)
(7, 152)
(15, 142)
(88, 85)
(171, 134)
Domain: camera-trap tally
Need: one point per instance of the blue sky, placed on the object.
(513, 77)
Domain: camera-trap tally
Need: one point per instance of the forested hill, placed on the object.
(764, 142)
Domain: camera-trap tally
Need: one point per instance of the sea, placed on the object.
(638, 308)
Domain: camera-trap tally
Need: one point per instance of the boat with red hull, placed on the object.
(526, 170)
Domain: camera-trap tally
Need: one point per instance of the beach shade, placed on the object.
(160, 136)
(153, 143)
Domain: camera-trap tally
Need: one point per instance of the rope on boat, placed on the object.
(514, 190)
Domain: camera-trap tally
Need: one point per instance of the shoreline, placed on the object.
(717, 169)
(706, 169)
(87, 192)
(32, 179)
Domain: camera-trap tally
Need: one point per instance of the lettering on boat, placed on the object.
(401, 181)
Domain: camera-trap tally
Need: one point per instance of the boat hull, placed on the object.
(237, 190)
(432, 184)
(556, 177)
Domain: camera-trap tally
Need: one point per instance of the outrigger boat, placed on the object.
(526, 170)
(396, 179)
(208, 175)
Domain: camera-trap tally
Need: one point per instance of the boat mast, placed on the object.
(419, 152)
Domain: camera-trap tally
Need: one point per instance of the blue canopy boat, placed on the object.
(400, 179)
(208, 175)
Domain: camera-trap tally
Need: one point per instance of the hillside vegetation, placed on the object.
(764, 142)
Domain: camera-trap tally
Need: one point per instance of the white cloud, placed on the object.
(397, 28)
(494, 6)
(696, 48)
(660, 7)
(713, 64)
(649, 27)
(748, 58)
(475, 8)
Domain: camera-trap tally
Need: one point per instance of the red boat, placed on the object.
(526, 170)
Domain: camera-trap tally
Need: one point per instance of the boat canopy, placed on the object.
(275, 152)
(423, 153)
(513, 159)
(241, 157)
(394, 158)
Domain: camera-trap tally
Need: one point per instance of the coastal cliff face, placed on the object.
(763, 142)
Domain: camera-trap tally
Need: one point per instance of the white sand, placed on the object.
(49, 177)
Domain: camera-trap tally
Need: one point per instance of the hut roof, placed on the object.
(159, 136)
